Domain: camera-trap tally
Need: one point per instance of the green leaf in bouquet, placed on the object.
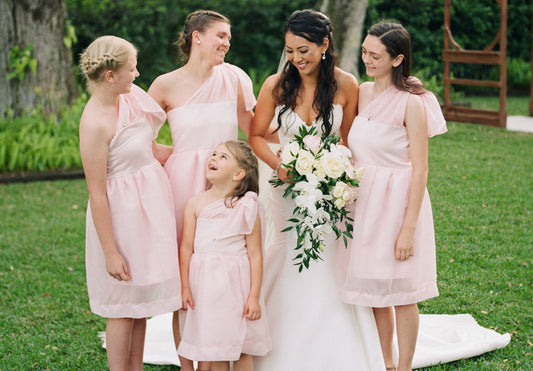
(287, 229)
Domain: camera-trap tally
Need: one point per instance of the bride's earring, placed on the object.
(324, 56)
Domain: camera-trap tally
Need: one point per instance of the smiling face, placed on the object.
(377, 60)
(223, 166)
(124, 77)
(214, 42)
(304, 54)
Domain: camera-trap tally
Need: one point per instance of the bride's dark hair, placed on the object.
(314, 27)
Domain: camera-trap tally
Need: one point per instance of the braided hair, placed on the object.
(103, 54)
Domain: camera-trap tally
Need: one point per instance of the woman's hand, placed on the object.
(186, 299)
(405, 243)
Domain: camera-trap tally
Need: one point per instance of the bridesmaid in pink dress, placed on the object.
(222, 265)
(206, 101)
(391, 260)
(131, 252)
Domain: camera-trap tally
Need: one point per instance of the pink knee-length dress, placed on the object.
(370, 273)
(142, 219)
(219, 279)
(207, 119)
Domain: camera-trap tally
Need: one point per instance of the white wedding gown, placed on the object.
(311, 329)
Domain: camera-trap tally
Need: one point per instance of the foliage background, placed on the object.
(153, 26)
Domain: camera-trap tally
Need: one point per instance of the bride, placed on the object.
(311, 328)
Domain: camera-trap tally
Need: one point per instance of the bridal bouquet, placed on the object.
(322, 181)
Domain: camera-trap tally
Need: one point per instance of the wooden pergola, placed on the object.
(454, 53)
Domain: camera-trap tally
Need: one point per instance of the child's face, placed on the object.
(222, 165)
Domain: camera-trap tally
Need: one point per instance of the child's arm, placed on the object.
(252, 309)
(185, 251)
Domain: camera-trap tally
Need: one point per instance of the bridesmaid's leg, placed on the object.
(407, 329)
(245, 363)
(186, 364)
(205, 366)
(385, 324)
(118, 341)
(138, 333)
(219, 366)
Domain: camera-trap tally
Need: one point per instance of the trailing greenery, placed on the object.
(482, 194)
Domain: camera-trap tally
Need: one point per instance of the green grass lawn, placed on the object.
(481, 186)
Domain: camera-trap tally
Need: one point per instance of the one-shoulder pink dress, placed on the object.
(220, 284)
(207, 119)
(370, 273)
(142, 219)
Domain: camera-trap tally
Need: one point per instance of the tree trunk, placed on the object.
(37, 24)
(348, 17)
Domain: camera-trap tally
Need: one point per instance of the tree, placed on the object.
(348, 17)
(35, 62)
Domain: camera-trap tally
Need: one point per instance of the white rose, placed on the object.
(339, 203)
(319, 170)
(339, 189)
(345, 151)
(289, 152)
(304, 163)
(333, 165)
(359, 172)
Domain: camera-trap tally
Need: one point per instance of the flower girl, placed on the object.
(221, 264)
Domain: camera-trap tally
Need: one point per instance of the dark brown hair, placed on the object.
(397, 41)
(314, 27)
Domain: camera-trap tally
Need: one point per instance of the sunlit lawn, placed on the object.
(481, 186)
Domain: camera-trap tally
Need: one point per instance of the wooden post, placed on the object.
(454, 53)
(531, 97)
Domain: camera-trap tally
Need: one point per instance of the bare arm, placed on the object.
(415, 121)
(252, 309)
(259, 132)
(245, 117)
(94, 147)
(185, 251)
(350, 91)
(158, 92)
(161, 151)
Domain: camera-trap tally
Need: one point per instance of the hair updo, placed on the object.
(199, 20)
(105, 53)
